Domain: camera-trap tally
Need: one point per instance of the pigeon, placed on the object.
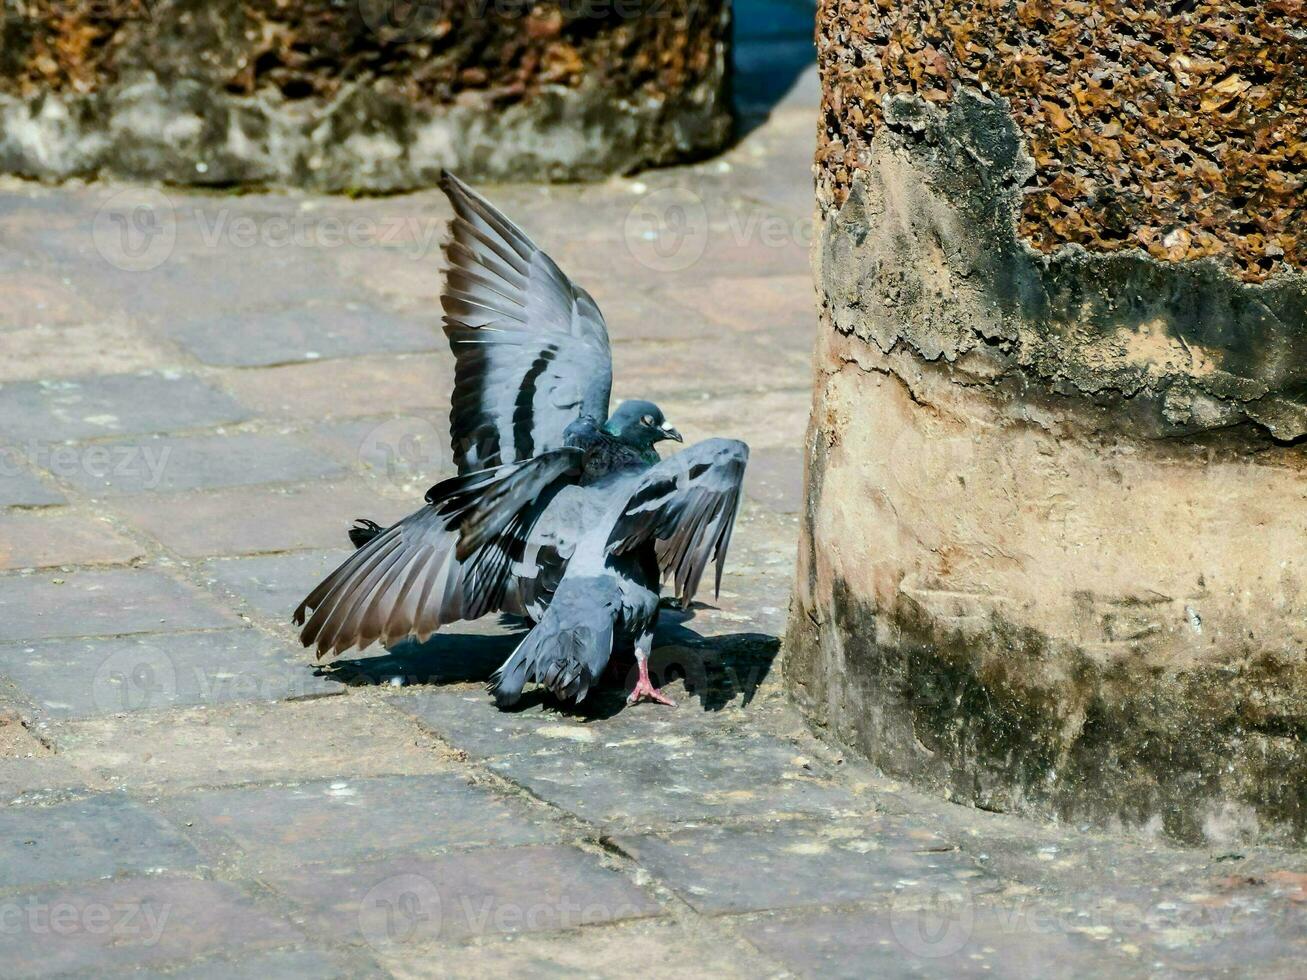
(560, 513)
(669, 520)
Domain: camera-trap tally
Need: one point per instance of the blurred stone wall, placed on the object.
(1054, 557)
(371, 95)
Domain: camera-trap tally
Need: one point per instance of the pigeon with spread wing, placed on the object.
(666, 522)
(542, 466)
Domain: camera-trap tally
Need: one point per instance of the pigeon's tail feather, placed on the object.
(568, 648)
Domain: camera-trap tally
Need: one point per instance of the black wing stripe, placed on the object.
(653, 491)
(524, 411)
(506, 303)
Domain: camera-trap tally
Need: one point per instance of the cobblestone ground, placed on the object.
(197, 400)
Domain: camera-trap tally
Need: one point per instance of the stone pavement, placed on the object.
(198, 396)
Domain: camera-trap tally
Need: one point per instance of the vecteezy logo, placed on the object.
(134, 679)
(401, 910)
(400, 20)
(402, 451)
(935, 926)
(667, 230)
(135, 229)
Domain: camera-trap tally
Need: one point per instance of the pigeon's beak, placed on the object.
(670, 433)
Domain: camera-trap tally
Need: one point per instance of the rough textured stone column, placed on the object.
(1055, 550)
(371, 95)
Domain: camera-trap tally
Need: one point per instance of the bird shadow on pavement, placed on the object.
(446, 658)
(715, 669)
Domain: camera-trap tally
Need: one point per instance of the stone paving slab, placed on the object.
(98, 837)
(783, 307)
(119, 925)
(946, 942)
(42, 780)
(721, 651)
(272, 584)
(29, 299)
(253, 339)
(463, 651)
(417, 384)
(732, 237)
(193, 282)
(673, 950)
(774, 479)
(235, 744)
(19, 488)
(1230, 941)
(677, 778)
(112, 405)
(647, 316)
(455, 715)
(52, 537)
(404, 456)
(402, 277)
(796, 863)
(775, 165)
(291, 964)
(248, 520)
(77, 678)
(674, 369)
(170, 463)
(351, 819)
(412, 903)
(108, 602)
(112, 345)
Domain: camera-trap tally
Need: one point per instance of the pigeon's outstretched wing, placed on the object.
(531, 347)
(519, 491)
(686, 505)
(414, 577)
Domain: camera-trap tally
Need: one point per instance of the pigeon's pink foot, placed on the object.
(644, 689)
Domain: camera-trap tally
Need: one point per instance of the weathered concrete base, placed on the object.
(1053, 558)
(187, 133)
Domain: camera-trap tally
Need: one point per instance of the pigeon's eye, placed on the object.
(647, 420)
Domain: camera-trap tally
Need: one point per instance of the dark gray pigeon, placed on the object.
(638, 527)
(557, 504)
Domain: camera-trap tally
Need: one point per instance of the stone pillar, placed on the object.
(368, 95)
(1054, 558)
